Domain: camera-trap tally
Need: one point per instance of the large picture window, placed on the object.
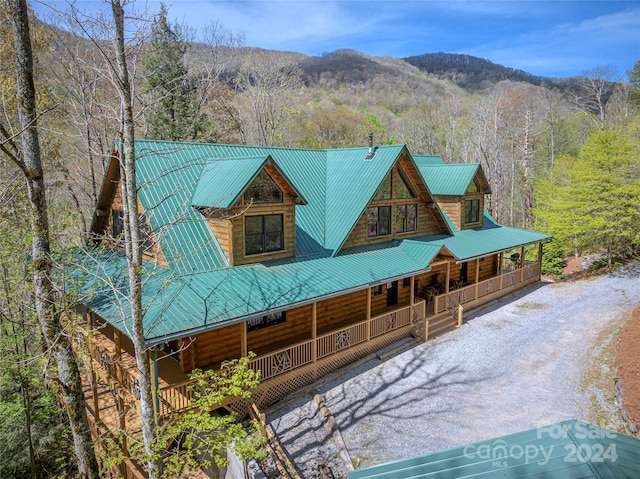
(263, 234)
(378, 221)
(264, 321)
(406, 218)
(471, 211)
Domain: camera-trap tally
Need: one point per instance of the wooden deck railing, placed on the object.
(485, 291)
(271, 365)
(113, 371)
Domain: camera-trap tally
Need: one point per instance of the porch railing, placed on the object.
(484, 291)
(275, 363)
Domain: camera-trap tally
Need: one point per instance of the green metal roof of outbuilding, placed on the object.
(567, 450)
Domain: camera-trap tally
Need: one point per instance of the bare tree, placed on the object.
(86, 95)
(593, 91)
(133, 245)
(28, 159)
(264, 85)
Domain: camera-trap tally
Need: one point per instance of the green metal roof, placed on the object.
(567, 450)
(200, 291)
(490, 238)
(223, 181)
(449, 179)
(180, 306)
(351, 184)
(336, 186)
(424, 160)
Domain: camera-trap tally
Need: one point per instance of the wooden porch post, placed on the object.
(94, 392)
(446, 282)
(522, 264)
(314, 332)
(368, 333)
(314, 335)
(244, 349)
(123, 424)
(539, 259)
(90, 318)
(411, 286)
(477, 278)
(118, 343)
(501, 267)
(154, 384)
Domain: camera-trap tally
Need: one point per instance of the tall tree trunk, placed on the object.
(133, 247)
(56, 340)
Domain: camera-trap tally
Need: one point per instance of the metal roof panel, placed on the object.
(450, 180)
(535, 454)
(222, 181)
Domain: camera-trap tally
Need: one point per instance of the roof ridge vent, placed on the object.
(371, 152)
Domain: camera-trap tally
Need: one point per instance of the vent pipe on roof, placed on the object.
(371, 153)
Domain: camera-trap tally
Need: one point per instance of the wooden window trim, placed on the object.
(404, 229)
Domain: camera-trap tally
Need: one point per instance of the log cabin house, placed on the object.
(311, 259)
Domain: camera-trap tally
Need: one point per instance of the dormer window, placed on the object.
(263, 190)
(263, 234)
(471, 212)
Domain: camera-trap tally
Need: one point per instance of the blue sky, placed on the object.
(546, 38)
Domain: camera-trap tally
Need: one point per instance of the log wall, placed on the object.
(452, 207)
(210, 348)
(342, 310)
(296, 328)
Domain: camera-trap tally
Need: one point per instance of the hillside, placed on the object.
(470, 72)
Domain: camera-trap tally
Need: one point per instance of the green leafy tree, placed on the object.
(201, 436)
(172, 113)
(634, 80)
(591, 202)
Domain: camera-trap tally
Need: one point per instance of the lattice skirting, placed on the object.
(274, 389)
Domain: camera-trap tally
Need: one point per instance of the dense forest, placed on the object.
(561, 155)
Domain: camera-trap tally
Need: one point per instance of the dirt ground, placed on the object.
(628, 367)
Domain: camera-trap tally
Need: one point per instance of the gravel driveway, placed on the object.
(513, 366)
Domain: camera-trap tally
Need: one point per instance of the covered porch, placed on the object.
(317, 338)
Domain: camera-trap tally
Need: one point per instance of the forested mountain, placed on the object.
(470, 72)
